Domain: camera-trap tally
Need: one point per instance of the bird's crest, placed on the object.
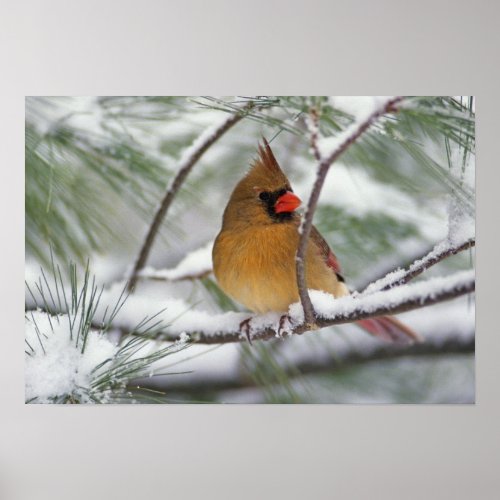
(265, 171)
(266, 157)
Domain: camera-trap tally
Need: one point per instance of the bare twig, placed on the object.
(401, 277)
(313, 126)
(351, 136)
(190, 159)
(318, 365)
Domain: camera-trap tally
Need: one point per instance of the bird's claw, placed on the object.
(245, 328)
(281, 327)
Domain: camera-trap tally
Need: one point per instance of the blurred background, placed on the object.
(97, 168)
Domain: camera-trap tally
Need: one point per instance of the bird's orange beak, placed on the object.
(287, 202)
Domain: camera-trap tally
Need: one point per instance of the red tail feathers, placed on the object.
(389, 329)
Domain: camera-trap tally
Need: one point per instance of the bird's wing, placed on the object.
(326, 252)
(384, 327)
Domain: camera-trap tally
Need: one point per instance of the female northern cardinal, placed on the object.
(254, 253)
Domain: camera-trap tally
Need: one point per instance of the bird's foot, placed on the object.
(245, 328)
(282, 328)
(311, 326)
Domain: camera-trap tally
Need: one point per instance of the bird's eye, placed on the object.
(281, 192)
(264, 196)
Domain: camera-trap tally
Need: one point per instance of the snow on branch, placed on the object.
(57, 369)
(327, 150)
(195, 265)
(178, 319)
(224, 328)
(188, 159)
(402, 276)
(70, 360)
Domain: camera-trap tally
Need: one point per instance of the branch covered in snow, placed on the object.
(329, 150)
(195, 265)
(69, 361)
(224, 328)
(402, 276)
(189, 158)
(206, 328)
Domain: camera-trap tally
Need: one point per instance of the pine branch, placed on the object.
(351, 309)
(342, 310)
(326, 365)
(348, 137)
(190, 158)
(402, 276)
(95, 369)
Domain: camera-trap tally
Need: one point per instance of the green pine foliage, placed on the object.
(108, 374)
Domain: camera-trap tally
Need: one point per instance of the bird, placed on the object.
(254, 253)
